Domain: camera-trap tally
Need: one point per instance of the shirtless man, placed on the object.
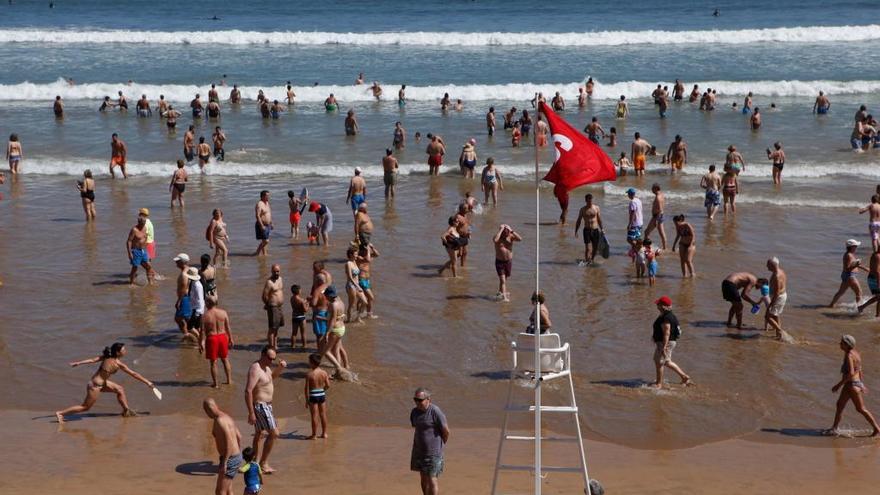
(639, 151)
(235, 95)
(557, 102)
(291, 96)
(162, 106)
(228, 441)
(143, 107)
(463, 226)
(136, 246)
(736, 287)
(509, 118)
(873, 211)
(582, 97)
(196, 106)
(204, 152)
(677, 154)
(215, 339)
(118, 155)
(435, 151)
(822, 104)
(711, 182)
(490, 121)
(263, 226)
(695, 94)
(656, 221)
(189, 143)
(401, 96)
(593, 228)
(258, 393)
(678, 91)
(219, 138)
(778, 297)
(389, 173)
(183, 305)
(273, 303)
(213, 96)
(377, 90)
(504, 239)
(213, 110)
(121, 102)
(351, 124)
(58, 107)
(357, 191)
(363, 226)
(593, 129)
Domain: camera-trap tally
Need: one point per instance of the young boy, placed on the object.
(612, 137)
(623, 164)
(253, 475)
(300, 306)
(317, 383)
(312, 232)
(294, 203)
(637, 253)
(651, 255)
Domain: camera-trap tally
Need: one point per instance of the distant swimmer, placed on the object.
(162, 106)
(213, 109)
(677, 155)
(656, 94)
(663, 103)
(330, 103)
(509, 118)
(558, 103)
(276, 109)
(213, 95)
(588, 86)
(219, 139)
(459, 105)
(399, 137)
(490, 121)
(622, 108)
(851, 386)
(136, 247)
(122, 103)
(223, 80)
(777, 156)
(291, 95)
(143, 107)
(235, 95)
(822, 104)
(678, 91)
(389, 173)
(197, 107)
(360, 79)
(118, 155)
(111, 362)
(716, 13)
(612, 137)
(58, 107)
(435, 152)
(106, 105)
(695, 94)
(377, 90)
(444, 103)
(351, 124)
(401, 96)
(582, 97)
(178, 184)
(14, 153)
(263, 105)
(189, 143)
(755, 120)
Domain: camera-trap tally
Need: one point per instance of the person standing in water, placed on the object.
(593, 228)
(258, 393)
(711, 182)
(178, 183)
(873, 210)
(677, 154)
(685, 239)
(851, 386)
(118, 155)
(317, 383)
(491, 182)
(263, 226)
(111, 362)
(227, 438)
(657, 218)
(86, 189)
(435, 151)
(822, 104)
(777, 156)
(503, 240)
(778, 297)
(218, 238)
(390, 172)
(294, 204)
(273, 303)
(873, 284)
(136, 245)
(734, 289)
(215, 339)
(848, 279)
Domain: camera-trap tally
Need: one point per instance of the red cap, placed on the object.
(313, 206)
(664, 301)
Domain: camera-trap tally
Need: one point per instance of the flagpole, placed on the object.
(537, 307)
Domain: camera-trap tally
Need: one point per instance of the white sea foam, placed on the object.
(697, 197)
(806, 34)
(178, 93)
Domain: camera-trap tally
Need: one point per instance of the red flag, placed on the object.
(579, 161)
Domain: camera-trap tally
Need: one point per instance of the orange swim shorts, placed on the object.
(639, 162)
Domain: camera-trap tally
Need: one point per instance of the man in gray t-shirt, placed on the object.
(431, 434)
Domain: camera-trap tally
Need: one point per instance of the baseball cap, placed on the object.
(852, 242)
(664, 300)
(631, 191)
(182, 257)
(144, 211)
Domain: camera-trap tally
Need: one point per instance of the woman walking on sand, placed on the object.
(851, 386)
(111, 362)
(685, 239)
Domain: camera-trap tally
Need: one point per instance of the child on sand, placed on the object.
(300, 306)
(253, 475)
(623, 164)
(317, 383)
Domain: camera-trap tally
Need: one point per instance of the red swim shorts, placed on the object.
(216, 346)
(294, 217)
(435, 160)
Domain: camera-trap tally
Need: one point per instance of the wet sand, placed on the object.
(174, 454)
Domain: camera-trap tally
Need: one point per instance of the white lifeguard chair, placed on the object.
(555, 363)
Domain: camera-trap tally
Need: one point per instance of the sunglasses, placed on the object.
(418, 400)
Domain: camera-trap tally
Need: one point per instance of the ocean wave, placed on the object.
(524, 92)
(796, 170)
(806, 34)
(782, 200)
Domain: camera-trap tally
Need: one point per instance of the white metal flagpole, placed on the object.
(538, 479)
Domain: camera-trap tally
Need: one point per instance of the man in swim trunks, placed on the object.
(490, 121)
(363, 226)
(273, 303)
(235, 95)
(634, 224)
(401, 96)
(357, 191)
(389, 173)
(263, 226)
(593, 228)
(435, 151)
(118, 155)
(873, 211)
(215, 339)
(822, 104)
(503, 240)
(213, 109)
(213, 96)
(330, 103)
(778, 296)
(711, 182)
(183, 306)
(143, 107)
(639, 152)
(593, 129)
(677, 154)
(557, 102)
(219, 138)
(657, 208)
(294, 204)
(258, 394)
(189, 143)
(227, 438)
(197, 108)
(736, 287)
(678, 91)
(136, 246)
(58, 107)
(317, 383)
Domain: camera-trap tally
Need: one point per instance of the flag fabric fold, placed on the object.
(578, 161)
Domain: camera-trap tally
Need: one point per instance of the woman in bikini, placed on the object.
(684, 238)
(111, 362)
(13, 153)
(452, 242)
(851, 386)
(178, 183)
(729, 189)
(86, 189)
(356, 297)
(218, 238)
